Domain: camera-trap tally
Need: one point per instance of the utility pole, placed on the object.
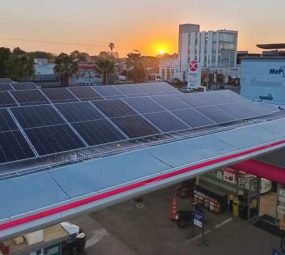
(145, 70)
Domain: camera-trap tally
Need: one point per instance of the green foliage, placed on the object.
(135, 62)
(66, 66)
(41, 54)
(105, 66)
(81, 56)
(19, 67)
(5, 54)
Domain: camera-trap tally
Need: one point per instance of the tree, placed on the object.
(41, 54)
(66, 66)
(135, 62)
(105, 66)
(111, 46)
(17, 51)
(19, 67)
(5, 54)
(81, 56)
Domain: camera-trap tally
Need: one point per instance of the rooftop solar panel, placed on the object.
(30, 97)
(98, 132)
(242, 110)
(114, 108)
(170, 102)
(166, 122)
(13, 146)
(216, 114)
(76, 112)
(54, 139)
(24, 85)
(135, 126)
(151, 89)
(59, 95)
(85, 93)
(6, 100)
(130, 90)
(37, 116)
(6, 121)
(193, 118)
(109, 92)
(6, 80)
(194, 99)
(144, 105)
(5, 87)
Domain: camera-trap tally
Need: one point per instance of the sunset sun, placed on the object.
(161, 52)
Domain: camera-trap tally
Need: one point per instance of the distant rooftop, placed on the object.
(273, 46)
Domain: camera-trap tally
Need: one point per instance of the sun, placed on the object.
(161, 52)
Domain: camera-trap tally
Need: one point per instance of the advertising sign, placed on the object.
(199, 219)
(194, 75)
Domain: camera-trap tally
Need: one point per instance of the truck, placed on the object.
(61, 239)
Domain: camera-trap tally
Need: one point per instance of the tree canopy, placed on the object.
(66, 66)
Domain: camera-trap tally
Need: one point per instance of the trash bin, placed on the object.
(236, 207)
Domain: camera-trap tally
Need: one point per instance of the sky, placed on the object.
(147, 25)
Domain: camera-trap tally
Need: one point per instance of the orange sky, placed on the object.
(147, 26)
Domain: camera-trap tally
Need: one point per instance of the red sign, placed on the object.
(193, 66)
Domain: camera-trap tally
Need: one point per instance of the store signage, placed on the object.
(277, 71)
(194, 75)
(268, 97)
(230, 175)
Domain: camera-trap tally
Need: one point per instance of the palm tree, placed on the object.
(105, 66)
(66, 66)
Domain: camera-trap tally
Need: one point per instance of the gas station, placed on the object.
(43, 190)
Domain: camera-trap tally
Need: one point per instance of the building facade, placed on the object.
(263, 79)
(215, 51)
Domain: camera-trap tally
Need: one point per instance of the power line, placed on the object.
(57, 42)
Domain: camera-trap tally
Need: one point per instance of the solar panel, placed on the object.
(30, 97)
(5, 87)
(98, 132)
(109, 92)
(135, 126)
(37, 116)
(151, 90)
(244, 110)
(6, 100)
(130, 90)
(24, 85)
(216, 114)
(5, 80)
(166, 122)
(13, 146)
(114, 108)
(53, 139)
(170, 102)
(144, 105)
(193, 118)
(59, 95)
(195, 99)
(6, 121)
(76, 112)
(85, 93)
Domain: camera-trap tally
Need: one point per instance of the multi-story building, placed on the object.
(215, 51)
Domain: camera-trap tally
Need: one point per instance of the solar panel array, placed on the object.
(38, 122)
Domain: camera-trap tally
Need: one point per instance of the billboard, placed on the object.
(194, 75)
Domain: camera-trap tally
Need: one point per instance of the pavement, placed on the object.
(129, 229)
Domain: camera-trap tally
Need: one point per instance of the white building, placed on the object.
(168, 68)
(43, 67)
(215, 51)
(263, 79)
